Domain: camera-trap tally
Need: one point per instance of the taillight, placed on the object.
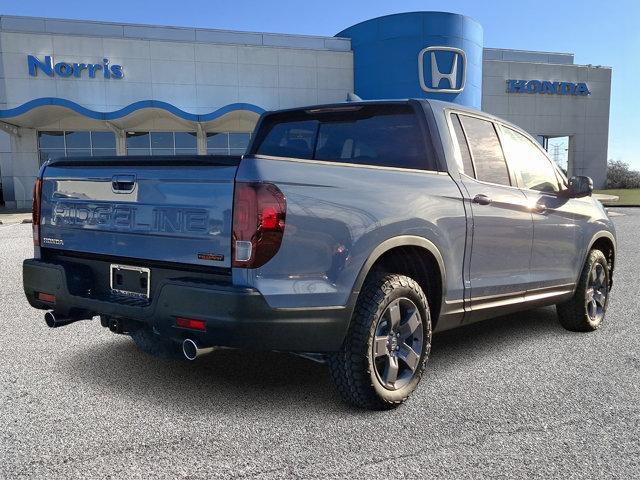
(35, 211)
(46, 297)
(259, 211)
(191, 323)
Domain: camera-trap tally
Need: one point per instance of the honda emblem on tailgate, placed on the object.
(448, 64)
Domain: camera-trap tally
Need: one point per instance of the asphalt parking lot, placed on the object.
(511, 397)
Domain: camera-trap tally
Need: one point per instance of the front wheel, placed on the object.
(585, 311)
(387, 346)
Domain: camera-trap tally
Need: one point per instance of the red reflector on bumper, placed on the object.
(191, 323)
(46, 297)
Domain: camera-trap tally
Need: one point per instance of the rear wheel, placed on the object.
(155, 345)
(585, 311)
(387, 346)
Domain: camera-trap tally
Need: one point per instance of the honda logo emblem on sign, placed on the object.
(453, 79)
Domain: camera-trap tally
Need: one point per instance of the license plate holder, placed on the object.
(130, 280)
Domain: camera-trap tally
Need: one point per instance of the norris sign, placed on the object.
(69, 69)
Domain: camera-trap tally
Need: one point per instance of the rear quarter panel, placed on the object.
(338, 214)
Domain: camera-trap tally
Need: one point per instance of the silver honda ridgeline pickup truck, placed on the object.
(349, 232)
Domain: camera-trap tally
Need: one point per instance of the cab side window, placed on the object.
(467, 164)
(486, 151)
(533, 169)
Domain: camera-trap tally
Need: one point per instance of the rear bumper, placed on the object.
(235, 316)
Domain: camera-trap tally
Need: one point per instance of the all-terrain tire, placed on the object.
(353, 369)
(574, 313)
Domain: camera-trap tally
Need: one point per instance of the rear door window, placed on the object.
(486, 151)
(380, 135)
(467, 164)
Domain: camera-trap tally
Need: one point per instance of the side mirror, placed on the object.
(579, 187)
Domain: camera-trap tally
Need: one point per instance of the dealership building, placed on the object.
(76, 88)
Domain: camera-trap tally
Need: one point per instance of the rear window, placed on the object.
(381, 135)
(487, 153)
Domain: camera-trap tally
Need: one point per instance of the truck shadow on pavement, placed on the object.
(229, 379)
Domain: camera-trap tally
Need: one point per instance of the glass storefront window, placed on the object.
(227, 143)
(52, 145)
(51, 140)
(162, 140)
(138, 140)
(239, 140)
(50, 154)
(165, 152)
(186, 140)
(138, 151)
(162, 143)
(78, 152)
(103, 140)
(77, 140)
(104, 152)
(217, 140)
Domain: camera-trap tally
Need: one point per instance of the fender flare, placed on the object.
(597, 236)
(603, 234)
(394, 242)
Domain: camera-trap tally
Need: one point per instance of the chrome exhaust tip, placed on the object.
(192, 350)
(53, 321)
(50, 320)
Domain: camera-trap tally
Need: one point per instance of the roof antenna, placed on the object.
(352, 97)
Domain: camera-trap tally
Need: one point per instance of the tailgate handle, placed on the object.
(123, 183)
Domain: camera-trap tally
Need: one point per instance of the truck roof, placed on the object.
(437, 104)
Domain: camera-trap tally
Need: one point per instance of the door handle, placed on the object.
(540, 208)
(481, 199)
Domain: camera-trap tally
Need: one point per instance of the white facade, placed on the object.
(207, 81)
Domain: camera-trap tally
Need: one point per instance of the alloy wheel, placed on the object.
(596, 294)
(398, 344)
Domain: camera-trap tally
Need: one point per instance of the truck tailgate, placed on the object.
(171, 209)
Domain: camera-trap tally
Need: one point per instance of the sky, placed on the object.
(597, 32)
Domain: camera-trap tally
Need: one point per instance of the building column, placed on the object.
(7, 199)
(571, 157)
(25, 164)
(202, 139)
(121, 139)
